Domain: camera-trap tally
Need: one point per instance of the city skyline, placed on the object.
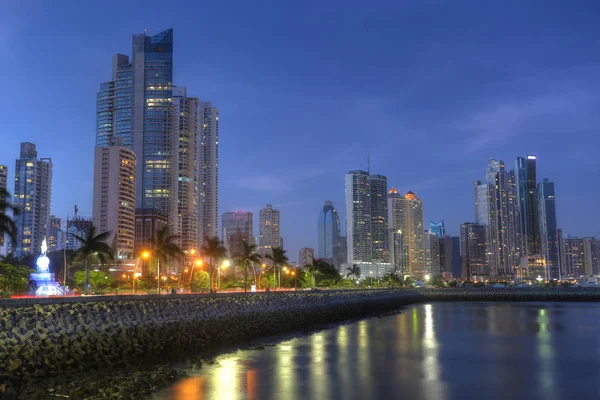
(550, 101)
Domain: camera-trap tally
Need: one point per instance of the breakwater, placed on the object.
(42, 339)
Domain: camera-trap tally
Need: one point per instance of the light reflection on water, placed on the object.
(433, 351)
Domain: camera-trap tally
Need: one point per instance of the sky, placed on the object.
(430, 89)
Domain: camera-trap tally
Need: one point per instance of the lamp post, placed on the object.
(225, 264)
(262, 269)
(196, 263)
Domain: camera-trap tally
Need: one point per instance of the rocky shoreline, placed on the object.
(128, 348)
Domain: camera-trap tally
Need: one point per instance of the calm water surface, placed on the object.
(429, 351)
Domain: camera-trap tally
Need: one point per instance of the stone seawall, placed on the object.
(52, 336)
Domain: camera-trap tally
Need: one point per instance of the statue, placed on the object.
(43, 262)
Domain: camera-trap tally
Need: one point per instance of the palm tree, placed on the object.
(7, 225)
(247, 259)
(353, 271)
(93, 245)
(163, 246)
(278, 258)
(214, 250)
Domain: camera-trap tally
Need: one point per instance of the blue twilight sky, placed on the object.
(431, 89)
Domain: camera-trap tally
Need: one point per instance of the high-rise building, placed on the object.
(114, 196)
(562, 258)
(432, 253)
(525, 171)
(399, 253)
(379, 219)
(498, 233)
(187, 124)
(405, 214)
(52, 236)
(147, 223)
(591, 256)
(209, 172)
(174, 138)
(33, 187)
(574, 257)
(328, 234)
(481, 202)
(269, 230)
(473, 251)
(343, 251)
(237, 229)
(548, 231)
(306, 256)
(437, 228)
(515, 238)
(450, 262)
(3, 183)
(358, 217)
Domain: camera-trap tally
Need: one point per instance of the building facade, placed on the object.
(525, 173)
(548, 231)
(480, 194)
(328, 234)
(114, 196)
(306, 256)
(438, 228)
(237, 228)
(52, 236)
(358, 217)
(432, 253)
(3, 186)
(32, 196)
(473, 251)
(269, 230)
(574, 257)
(147, 223)
(209, 171)
(379, 219)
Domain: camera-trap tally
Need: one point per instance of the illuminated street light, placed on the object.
(427, 278)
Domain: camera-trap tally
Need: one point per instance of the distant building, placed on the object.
(437, 228)
(328, 234)
(358, 217)
(525, 171)
(450, 262)
(548, 230)
(379, 219)
(32, 195)
(52, 236)
(591, 256)
(473, 251)
(209, 171)
(562, 258)
(237, 228)
(399, 252)
(481, 202)
(432, 253)
(147, 224)
(114, 196)
(269, 230)
(343, 255)
(574, 257)
(306, 256)
(3, 183)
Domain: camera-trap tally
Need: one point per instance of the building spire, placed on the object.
(369, 163)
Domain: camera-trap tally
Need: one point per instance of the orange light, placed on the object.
(145, 254)
(124, 276)
(198, 263)
(193, 251)
(293, 272)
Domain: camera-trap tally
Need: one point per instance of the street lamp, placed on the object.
(262, 269)
(145, 255)
(198, 263)
(427, 278)
(225, 264)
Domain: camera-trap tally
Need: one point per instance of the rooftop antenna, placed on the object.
(76, 211)
(369, 163)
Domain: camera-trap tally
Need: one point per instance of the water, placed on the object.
(430, 351)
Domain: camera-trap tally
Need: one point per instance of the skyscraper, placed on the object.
(498, 233)
(437, 228)
(33, 187)
(269, 230)
(562, 258)
(237, 228)
(405, 214)
(481, 202)
(328, 234)
(515, 238)
(174, 138)
(114, 195)
(574, 257)
(591, 256)
(3, 183)
(450, 262)
(53, 234)
(306, 256)
(379, 219)
(432, 253)
(473, 251)
(358, 217)
(546, 205)
(525, 171)
(209, 171)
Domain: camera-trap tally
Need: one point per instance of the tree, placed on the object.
(436, 281)
(214, 250)
(353, 271)
(200, 281)
(14, 277)
(278, 258)
(93, 245)
(7, 225)
(97, 279)
(163, 246)
(247, 259)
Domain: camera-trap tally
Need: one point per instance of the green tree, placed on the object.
(200, 281)
(97, 279)
(14, 277)
(279, 259)
(7, 224)
(247, 259)
(162, 246)
(353, 271)
(452, 284)
(436, 281)
(93, 245)
(215, 251)
(408, 282)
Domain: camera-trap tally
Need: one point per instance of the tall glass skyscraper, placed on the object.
(379, 219)
(328, 234)
(237, 230)
(174, 138)
(358, 217)
(547, 228)
(525, 174)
